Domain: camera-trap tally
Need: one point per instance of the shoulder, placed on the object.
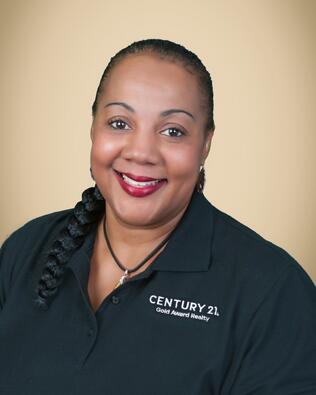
(253, 264)
(35, 228)
(246, 241)
(22, 248)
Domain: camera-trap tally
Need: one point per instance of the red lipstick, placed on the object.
(139, 191)
(140, 178)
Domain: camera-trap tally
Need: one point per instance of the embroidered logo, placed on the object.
(183, 308)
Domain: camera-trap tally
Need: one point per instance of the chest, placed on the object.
(160, 328)
(104, 277)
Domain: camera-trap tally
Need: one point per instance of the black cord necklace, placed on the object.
(127, 271)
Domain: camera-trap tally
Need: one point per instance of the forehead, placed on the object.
(150, 80)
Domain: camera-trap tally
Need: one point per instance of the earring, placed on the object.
(91, 174)
(201, 179)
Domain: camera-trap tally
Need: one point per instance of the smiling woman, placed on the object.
(145, 279)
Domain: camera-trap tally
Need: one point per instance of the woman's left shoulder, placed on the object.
(254, 259)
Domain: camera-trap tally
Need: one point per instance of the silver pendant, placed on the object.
(123, 279)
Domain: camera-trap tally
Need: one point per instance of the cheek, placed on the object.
(183, 164)
(104, 149)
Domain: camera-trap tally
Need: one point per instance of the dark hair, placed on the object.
(90, 209)
(173, 52)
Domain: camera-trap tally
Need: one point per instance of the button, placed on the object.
(115, 299)
(90, 333)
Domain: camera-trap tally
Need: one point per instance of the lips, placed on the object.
(139, 186)
(138, 178)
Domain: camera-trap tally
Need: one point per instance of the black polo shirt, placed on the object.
(220, 311)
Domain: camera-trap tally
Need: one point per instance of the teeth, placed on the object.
(138, 183)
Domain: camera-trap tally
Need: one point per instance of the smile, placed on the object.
(139, 186)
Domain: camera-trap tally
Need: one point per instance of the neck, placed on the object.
(132, 243)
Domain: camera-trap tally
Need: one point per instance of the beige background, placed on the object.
(261, 55)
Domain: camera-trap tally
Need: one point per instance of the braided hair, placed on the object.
(91, 208)
(84, 215)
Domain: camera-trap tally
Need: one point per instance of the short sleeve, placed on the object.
(279, 353)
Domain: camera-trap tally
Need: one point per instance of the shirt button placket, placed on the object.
(115, 299)
(90, 332)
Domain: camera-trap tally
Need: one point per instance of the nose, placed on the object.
(142, 147)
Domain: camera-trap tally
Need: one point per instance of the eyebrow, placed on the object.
(163, 113)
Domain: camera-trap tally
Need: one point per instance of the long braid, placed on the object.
(85, 214)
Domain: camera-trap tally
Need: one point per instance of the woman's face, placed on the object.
(148, 140)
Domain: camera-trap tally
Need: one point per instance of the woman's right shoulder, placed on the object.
(29, 240)
(23, 248)
(37, 228)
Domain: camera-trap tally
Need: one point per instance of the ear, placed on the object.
(207, 145)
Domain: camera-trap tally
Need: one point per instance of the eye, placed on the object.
(173, 132)
(117, 124)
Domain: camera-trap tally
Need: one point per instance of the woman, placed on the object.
(145, 287)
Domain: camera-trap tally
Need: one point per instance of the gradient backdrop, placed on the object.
(261, 55)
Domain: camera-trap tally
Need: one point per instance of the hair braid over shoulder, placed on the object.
(84, 215)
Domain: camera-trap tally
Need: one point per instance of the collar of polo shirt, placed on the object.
(188, 249)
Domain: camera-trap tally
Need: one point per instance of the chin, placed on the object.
(130, 213)
(135, 219)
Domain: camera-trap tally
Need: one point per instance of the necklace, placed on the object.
(126, 275)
